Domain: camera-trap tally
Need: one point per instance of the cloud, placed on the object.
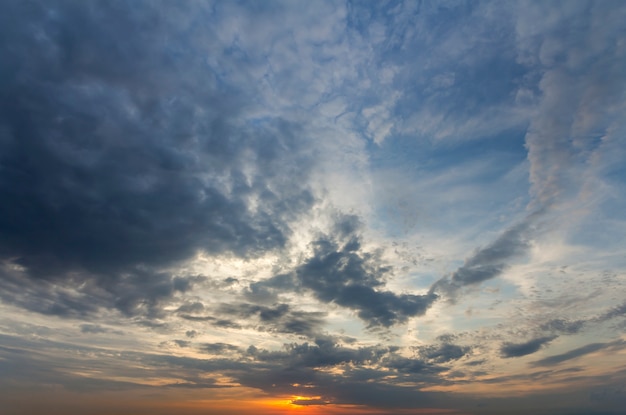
(182, 168)
(114, 168)
(308, 402)
(566, 326)
(509, 350)
(340, 272)
(218, 348)
(581, 88)
(581, 351)
(279, 317)
(191, 308)
(412, 366)
(217, 322)
(491, 261)
(563, 326)
(617, 311)
(97, 329)
(325, 352)
(443, 353)
(136, 292)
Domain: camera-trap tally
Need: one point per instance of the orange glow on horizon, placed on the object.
(287, 404)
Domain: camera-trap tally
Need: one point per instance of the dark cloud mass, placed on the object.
(112, 164)
(340, 272)
(443, 353)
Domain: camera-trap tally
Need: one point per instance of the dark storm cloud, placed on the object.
(121, 152)
(581, 351)
(522, 349)
(340, 272)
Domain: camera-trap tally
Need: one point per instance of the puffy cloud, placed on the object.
(340, 272)
(116, 167)
(443, 353)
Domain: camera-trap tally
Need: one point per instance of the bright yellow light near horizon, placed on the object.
(287, 404)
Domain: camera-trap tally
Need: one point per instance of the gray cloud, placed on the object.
(215, 321)
(522, 349)
(581, 351)
(137, 292)
(218, 348)
(491, 261)
(411, 366)
(443, 353)
(97, 329)
(134, 135)
(581, 78)
(323, 353)
(308, 402)
(266, 291)
(113, 168)
(340, 272)
(191, 308)
(279, 317)
(563, 326)
(617, 311)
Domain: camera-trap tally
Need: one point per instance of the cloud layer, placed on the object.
(338, 206)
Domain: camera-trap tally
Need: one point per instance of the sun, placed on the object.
(298, 404)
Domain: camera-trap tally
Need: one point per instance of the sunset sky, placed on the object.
(312, 207)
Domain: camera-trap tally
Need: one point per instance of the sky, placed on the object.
(312, 207)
